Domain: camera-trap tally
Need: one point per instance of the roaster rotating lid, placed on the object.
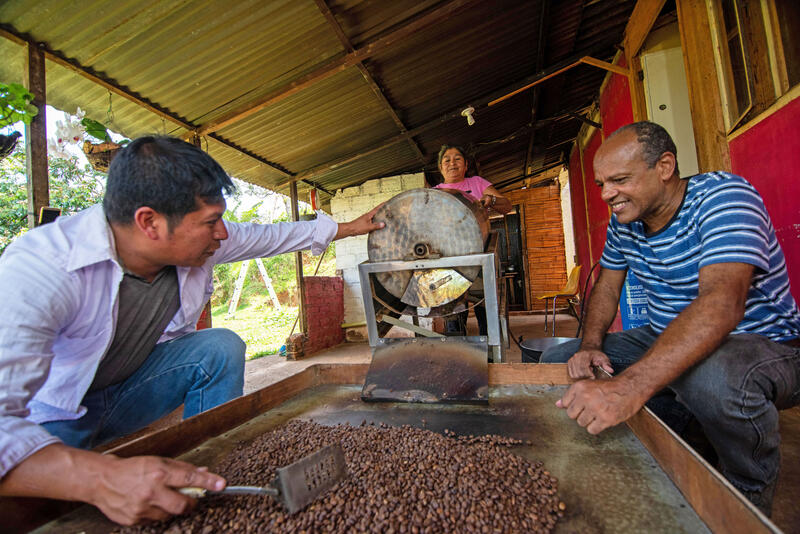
(428, 224)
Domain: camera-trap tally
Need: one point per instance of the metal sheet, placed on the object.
(609, 482)
(434, 287)
(446, 369)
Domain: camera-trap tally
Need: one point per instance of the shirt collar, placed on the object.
(93, 240)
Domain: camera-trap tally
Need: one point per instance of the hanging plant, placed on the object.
(15, 106)
(100, 154)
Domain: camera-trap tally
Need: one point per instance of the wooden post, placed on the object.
(704, 92)
(298, 265)
(205, 317)
(36, 137)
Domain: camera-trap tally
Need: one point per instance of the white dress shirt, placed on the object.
(59, 284)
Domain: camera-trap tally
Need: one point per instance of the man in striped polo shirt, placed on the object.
(722, 343)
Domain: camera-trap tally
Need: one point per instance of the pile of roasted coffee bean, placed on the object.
(400, 480)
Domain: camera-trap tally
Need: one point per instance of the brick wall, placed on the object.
(348, 204)
(325, 311)
(544, 234)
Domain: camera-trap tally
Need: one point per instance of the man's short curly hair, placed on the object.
(654, 141)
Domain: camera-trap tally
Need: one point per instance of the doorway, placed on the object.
(510, 255)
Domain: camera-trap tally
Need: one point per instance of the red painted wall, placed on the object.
(324, 300)
(768, 155)
(615, 111)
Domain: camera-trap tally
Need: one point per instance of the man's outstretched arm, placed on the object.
(694, 334)
(126, 490)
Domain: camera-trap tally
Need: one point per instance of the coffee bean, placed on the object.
(400, 479)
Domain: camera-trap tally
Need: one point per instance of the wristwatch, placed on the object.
(494, 199)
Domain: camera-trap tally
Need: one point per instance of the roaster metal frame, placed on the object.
(486, 261)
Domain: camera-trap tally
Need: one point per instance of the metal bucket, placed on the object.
(533, 348)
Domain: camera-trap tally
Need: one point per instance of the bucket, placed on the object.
(533, 348)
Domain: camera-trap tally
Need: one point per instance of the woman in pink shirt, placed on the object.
(453, 166)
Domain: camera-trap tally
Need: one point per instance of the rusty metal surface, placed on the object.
(428, 370)
(609, 482)
(427, 223)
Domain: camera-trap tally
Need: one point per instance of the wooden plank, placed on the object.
(112, 86)
(373, 85)
(636, 89)
(36, 137)
(554, 374)
(704, 94)
(177, 439)
(641, 21)
(711, 495)
(331, 68)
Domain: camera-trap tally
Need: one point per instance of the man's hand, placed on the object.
(362, 225)
(128, 491)
(600, 404)
(131, 490)
(582, 362)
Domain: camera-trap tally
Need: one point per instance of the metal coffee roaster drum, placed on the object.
(429, 260)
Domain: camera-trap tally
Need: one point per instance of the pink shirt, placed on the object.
(474, 186)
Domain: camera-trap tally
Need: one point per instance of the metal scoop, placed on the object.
(296, 485)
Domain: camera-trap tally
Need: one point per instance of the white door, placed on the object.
(667, 98)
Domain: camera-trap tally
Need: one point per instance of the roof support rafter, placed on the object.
(107, 83)
(483, 102)
(535, 96)
(337, 29)
(331, 67)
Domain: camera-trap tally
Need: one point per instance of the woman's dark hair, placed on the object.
(165, 174)
(654, 139)
(445, 148)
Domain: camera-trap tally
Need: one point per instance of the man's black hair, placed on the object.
(165, 174)
(654, 141)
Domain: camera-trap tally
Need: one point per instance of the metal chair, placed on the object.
(569, 291)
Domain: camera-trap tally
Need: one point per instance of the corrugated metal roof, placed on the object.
(202, 60)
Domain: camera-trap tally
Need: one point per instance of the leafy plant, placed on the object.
(72, 188)
(98, 131)
(15, 105)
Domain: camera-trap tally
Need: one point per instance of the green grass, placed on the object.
(262, 327)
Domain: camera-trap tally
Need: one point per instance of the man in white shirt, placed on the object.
(98, 337)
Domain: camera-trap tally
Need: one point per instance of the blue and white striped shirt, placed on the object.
(722, 220)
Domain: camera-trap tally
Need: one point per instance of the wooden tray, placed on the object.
(633, 478)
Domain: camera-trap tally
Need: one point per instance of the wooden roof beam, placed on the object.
(485, 101)
(111, 85)
(376, 89)
(540, 45)
(332, 67)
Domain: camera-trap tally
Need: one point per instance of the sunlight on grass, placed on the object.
(262, 327)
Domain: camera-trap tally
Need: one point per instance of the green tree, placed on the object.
(72, 189)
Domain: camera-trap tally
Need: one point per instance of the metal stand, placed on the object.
(486, 261)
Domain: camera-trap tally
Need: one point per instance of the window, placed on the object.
(785, 26)
(758, 53)
(739, 82)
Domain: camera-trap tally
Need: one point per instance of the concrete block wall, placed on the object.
(324, 305)
(348, 204)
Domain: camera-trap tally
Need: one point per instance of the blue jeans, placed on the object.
(200, 370)
(735, 394)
